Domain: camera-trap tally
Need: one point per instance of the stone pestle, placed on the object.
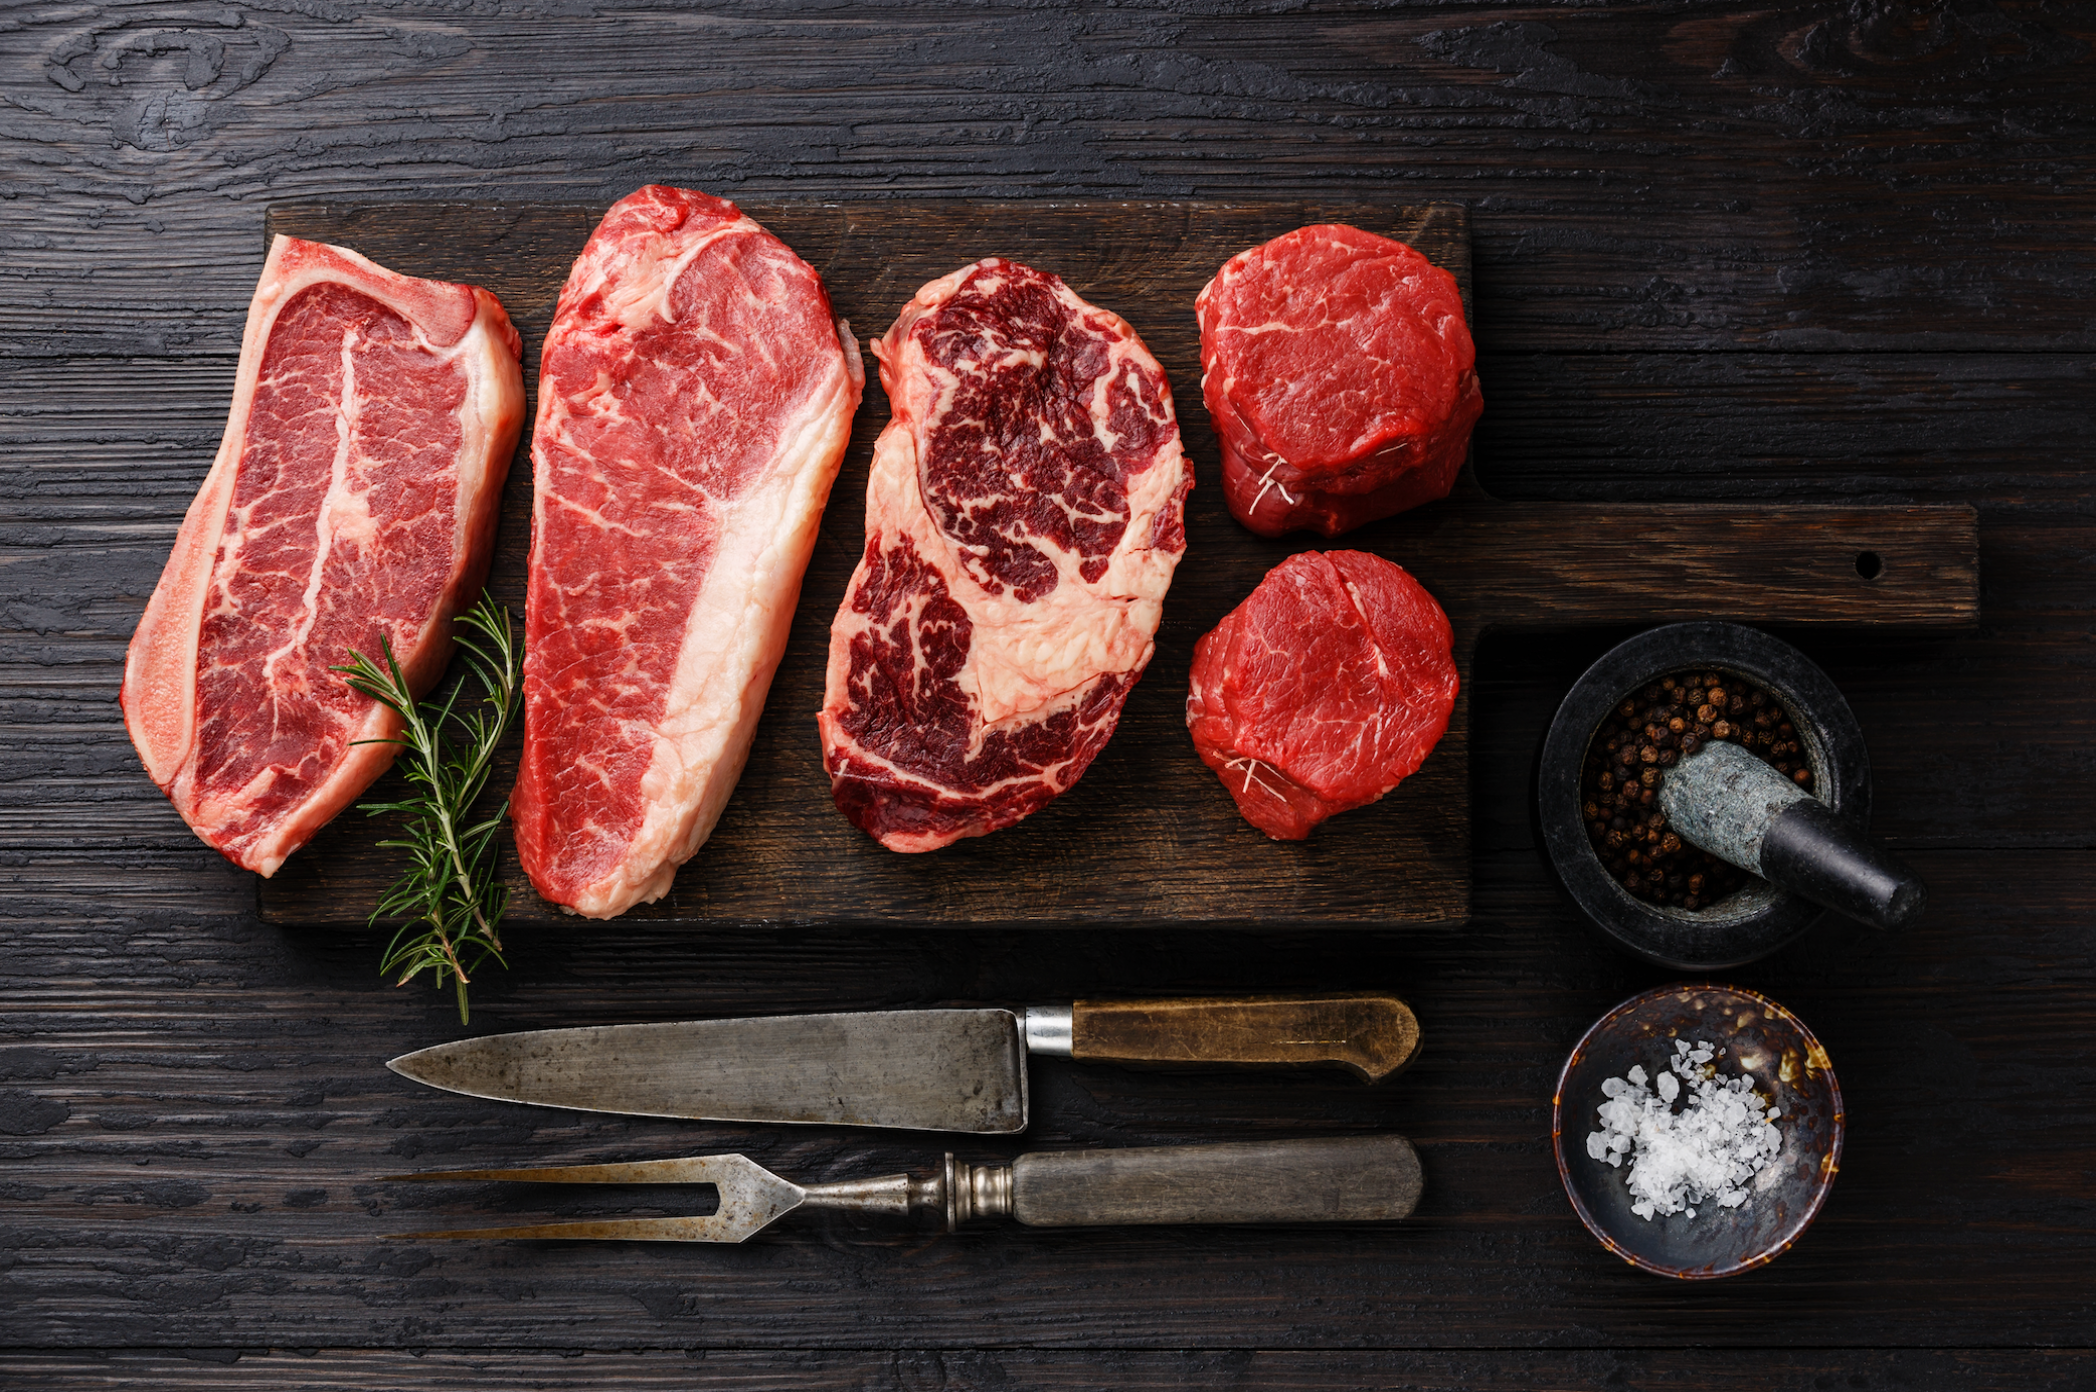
(1739, 809)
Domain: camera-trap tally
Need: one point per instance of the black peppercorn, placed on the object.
(1651, 731)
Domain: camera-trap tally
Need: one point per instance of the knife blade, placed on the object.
(914, 1070)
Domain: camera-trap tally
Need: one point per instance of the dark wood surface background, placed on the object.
(1808, 253)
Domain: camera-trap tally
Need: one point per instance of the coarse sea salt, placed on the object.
(1709, 1150)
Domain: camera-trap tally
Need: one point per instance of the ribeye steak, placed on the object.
(354, 496)
(1023, 519)
(1341, 379)
(695, 397)
(1321, 691)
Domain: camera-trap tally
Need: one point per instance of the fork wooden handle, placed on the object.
(1373, 1036)
(1355, 1179)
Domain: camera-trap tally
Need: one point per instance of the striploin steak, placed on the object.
(353, 498)
(695, 397)
(1341, 379)
(1323, 690)
(1023, 520)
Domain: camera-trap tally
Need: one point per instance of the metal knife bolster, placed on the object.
(1048, 1029)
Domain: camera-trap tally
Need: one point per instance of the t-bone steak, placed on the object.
(353, 498)
(1321, 691)
(1023, 518)
(695, 398)
(1341, 379)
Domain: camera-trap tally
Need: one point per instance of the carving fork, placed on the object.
(1361, 1179)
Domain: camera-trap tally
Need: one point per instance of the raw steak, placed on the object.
(1341, 379)
(354, 497)
(1332, 682)
(1023, 520)
(694, 401)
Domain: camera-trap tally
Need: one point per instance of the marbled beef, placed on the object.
(354, 498)
(695, 397)
(1341, 379)
(1023, 520)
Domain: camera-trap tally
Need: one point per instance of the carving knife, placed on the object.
(917, 1070)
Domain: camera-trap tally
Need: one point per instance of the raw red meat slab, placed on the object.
(1023, 520)
(1341, 379)
(354, 496)
(695, 397)
(1331, 683)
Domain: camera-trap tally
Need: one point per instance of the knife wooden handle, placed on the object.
(1358, 1179)
(1374, 1036)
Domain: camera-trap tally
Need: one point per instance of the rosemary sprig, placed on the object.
(451, 895)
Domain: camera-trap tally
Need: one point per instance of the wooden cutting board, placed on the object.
(1149, 837)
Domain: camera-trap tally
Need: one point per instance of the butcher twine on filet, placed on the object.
(1023, 520)
(1323, 691)
(353, 498)
(1340, 374)
(695, 397)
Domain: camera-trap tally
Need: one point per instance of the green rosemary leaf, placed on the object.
(451, 895)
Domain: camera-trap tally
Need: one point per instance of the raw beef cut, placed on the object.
(353, 498)
(695, 397)
(1332, 682)
(1341, 379)
(1023, 519)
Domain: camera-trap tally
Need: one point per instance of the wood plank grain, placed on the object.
(1280, 1370)
(2002, 430)
(179, 1174)
(1790, 176)
(1149, 836)
(1557, 565)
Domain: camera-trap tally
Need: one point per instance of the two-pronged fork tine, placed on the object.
(752, 1198)
(1353, 1179)
(711, 1229)
(691, 1169)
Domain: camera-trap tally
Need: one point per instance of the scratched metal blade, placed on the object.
(918, 1070)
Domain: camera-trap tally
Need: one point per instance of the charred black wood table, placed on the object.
(1802, 254)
